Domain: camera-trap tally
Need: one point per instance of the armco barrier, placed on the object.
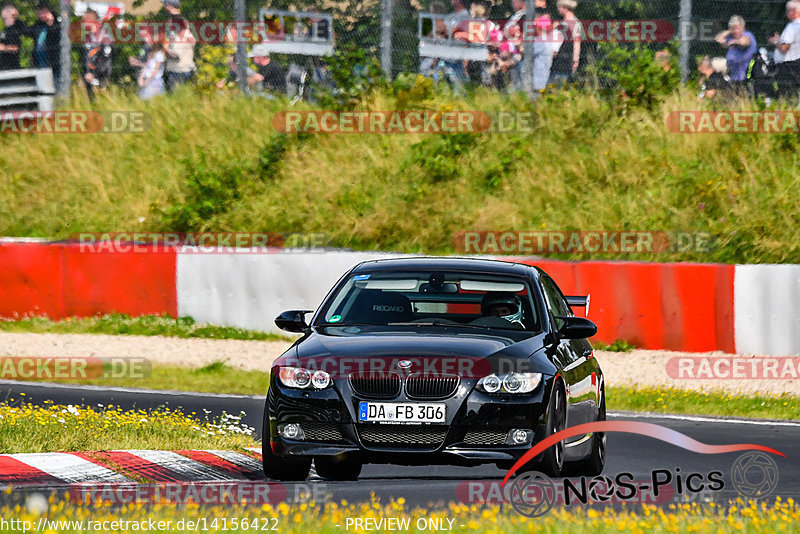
(687, 307)
(57, 280)
(250, 290)
(767, 302)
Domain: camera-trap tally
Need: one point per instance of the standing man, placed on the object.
(268, 73)
(46, 35)
(569, 55)
(10, 38)
(96, 54)
(788, 45)
(741, 45)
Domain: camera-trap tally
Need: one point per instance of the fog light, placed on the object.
(291, 431)
(519, 436)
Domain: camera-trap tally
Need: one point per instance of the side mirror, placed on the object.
(293, 321)
(576, 328)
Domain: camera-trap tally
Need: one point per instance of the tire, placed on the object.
(338, 468)
(552, 460)
(593, 464)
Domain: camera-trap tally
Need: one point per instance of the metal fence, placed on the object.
(401, 34)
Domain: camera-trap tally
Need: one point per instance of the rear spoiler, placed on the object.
(577, 301)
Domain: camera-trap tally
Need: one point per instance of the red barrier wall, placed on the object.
(58, 280)
(676, 306)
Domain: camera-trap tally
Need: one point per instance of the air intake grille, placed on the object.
(315, 431)
(485, 436)
(428, 436)
(431, 386)
(376, 386)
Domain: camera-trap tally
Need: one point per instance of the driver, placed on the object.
(505, 305)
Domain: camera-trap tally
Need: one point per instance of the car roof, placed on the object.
(479, 265)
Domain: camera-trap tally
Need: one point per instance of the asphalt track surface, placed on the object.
(631, 453)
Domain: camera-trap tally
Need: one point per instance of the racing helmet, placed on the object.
(509, 300)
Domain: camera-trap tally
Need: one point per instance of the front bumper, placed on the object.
(475, 432)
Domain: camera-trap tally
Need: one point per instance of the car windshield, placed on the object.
(433, 298)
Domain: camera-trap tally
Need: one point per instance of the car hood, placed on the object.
(332, 344)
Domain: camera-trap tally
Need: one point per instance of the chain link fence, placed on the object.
(91, 45)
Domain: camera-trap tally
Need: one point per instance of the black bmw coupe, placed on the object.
(420, 361)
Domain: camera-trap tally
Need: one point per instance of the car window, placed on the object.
(556, 303)
(438, 298)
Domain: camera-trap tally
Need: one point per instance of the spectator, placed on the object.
(455, 69)
(429, 66)
(788, 46)
(233, 74)
(741, 46)
(10, 38)
(512, 30)
(151, 77)
(46, 35)
(173, 7)
(268, 73)
(546, 44)
(518, 18)
(180, 67)
(96, 54)
(569, 55)
(146, 38)
(714, 82)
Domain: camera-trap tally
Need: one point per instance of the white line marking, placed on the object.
(182, 465)
(69, 468)
(700, 419)
(53, 385)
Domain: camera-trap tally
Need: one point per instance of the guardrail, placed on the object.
(26, 90)
(446, 48)
(296, 32)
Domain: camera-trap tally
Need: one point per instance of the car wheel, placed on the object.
(593, 464)
(282, 467)
(552, 461)
(338, 468)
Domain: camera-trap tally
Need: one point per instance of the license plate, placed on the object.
(402, 412)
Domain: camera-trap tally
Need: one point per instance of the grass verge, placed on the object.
(674, 400)
(748, 517)
(216, 377)
(145, 325)
(51, 427)
(586, 165)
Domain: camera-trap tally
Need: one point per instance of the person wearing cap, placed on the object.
(268, 73)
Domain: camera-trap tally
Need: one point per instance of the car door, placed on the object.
(578, 370)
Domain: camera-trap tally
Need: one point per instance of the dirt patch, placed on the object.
(250, 355)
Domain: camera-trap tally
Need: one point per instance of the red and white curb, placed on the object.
(142, 466)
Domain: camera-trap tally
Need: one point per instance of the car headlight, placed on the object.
(510, 383)
(301, 378)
